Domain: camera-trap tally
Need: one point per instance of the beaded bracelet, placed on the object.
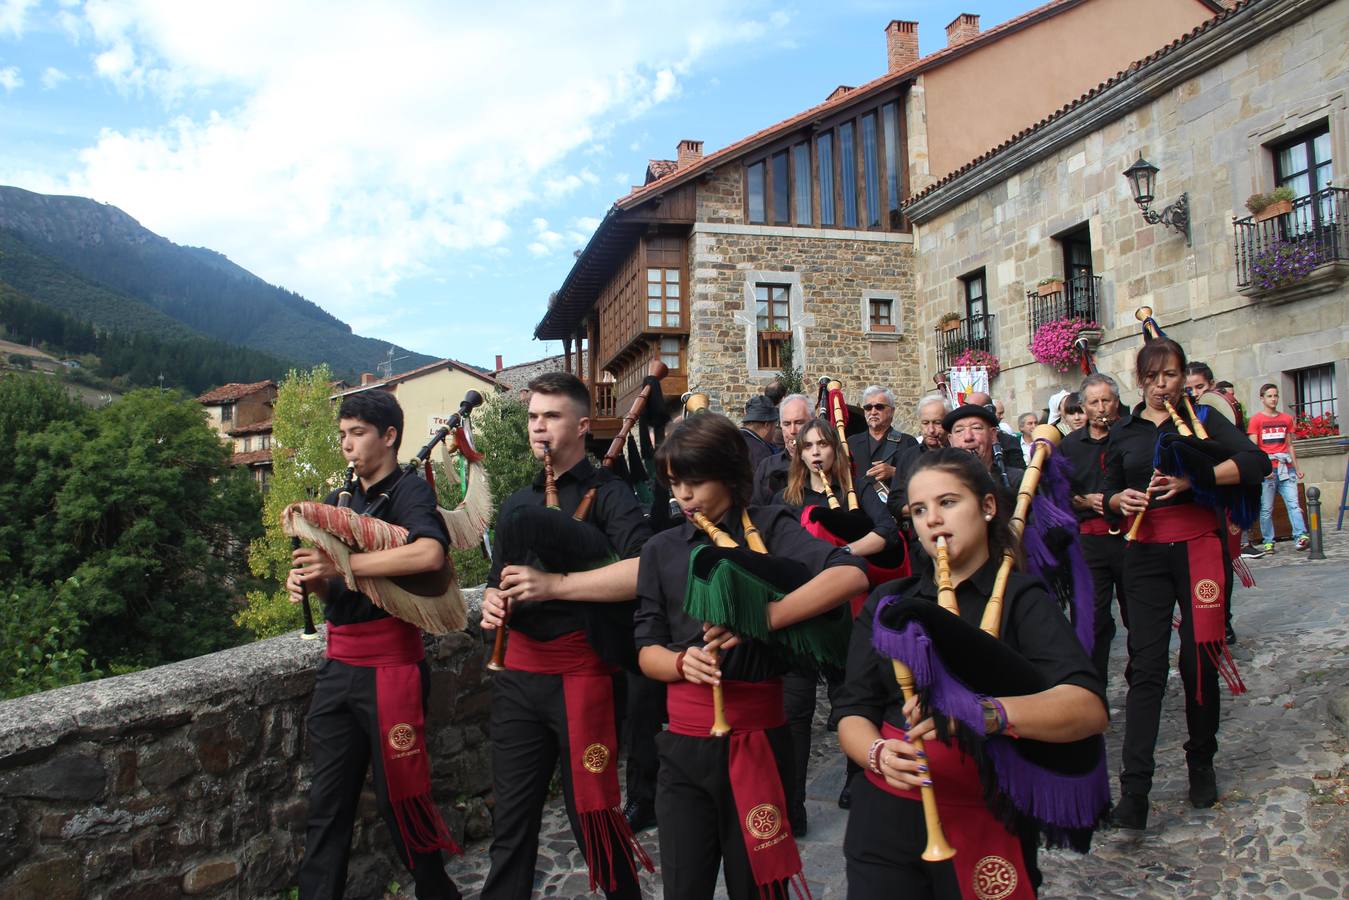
(874, 755)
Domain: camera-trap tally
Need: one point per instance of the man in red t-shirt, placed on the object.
(1272, 432)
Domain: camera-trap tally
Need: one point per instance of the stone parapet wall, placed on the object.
(192, 778)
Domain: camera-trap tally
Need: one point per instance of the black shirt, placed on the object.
(770, 477)
(1133, 442)
(870, 502)
(1086, 454)
(867, 450)
(664, 576)
(411, 504)
(1032, 625)
(615, 512)
(758, 448)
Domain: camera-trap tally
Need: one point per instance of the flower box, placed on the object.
(1046, 288)
(1277, 208)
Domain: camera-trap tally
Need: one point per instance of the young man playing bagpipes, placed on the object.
(720, 623)
(370, 696)
(564, 573)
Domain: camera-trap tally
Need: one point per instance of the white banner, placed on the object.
(965, 380)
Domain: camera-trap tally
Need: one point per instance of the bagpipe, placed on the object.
(429, 600)
(1190, 453)
(840, 526)
(1061, 790)
(571, 543)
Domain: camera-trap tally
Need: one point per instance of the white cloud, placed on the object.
(14, 15)
(52, 77)
(389, 136)
(10, 79)
(587, 223)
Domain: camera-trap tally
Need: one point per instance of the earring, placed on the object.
(988, 517)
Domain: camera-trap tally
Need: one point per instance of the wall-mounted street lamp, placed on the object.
(1142, 177)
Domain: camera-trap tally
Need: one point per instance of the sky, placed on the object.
(422, 170)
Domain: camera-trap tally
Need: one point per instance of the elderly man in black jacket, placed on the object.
(877, 451)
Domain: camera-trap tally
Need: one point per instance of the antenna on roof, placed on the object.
(386, 367)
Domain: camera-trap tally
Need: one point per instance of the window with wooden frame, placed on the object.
(1314, 392)
(773, 322)
(227, 413)
(1303, 163)
(848, 171)
(662, 298)
(881, 313)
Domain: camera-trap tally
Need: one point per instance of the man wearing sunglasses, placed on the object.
(877, 451)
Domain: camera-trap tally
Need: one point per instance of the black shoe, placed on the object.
(1130, 812)
(845, 795)
(640, 815)
(797, 819)
(1203, 787)
(1231, 637)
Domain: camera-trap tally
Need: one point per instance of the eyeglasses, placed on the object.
(874, 407)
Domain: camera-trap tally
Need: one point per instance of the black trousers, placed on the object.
(798, 701)
(1156, 580)
(646, 715)
(529, 734)
(344, 741)
(1105, 557)
(883, 850)
(699, 824)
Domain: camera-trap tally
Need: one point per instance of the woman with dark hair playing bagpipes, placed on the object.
(818, 475)
(720, 620)
(1006, 741)
(1170, 480)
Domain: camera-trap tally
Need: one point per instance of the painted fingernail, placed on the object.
(927, 782)
(922, 755)
(922, 768)
(905, 736)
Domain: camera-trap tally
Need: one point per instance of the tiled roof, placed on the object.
(228, 393)
(657, 169)
(252, 458)
(423, 370)
(1132, 69)
(263, 427)
(837, 99)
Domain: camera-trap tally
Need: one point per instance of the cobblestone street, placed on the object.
(1281, 825)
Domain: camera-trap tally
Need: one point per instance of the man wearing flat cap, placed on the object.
(974, 427)
(761, 417)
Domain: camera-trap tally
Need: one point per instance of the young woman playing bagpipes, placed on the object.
(726, 755)
(1167, 476)
(1027, 681)
(816, 480)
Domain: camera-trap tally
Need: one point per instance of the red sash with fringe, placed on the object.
(588, 695)
(988, 861)
(393, 648)
(1197, 528)
(752, 708)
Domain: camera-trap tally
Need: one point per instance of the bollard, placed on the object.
(1315, 551)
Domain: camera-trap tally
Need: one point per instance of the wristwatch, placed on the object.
(993, 723)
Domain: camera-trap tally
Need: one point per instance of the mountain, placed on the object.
(93, 261)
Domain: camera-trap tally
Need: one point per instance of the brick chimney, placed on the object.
(367, 378)
(961, 29)
(901, 41)
(688, 153)
(838, 92)
(498, 368)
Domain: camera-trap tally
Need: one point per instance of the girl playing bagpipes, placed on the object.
(1030, 684)
(1166, 481)
(817, 477)
(726, 755)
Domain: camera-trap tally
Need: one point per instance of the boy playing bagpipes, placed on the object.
(720, 624)
(370, 696)
(564, 589)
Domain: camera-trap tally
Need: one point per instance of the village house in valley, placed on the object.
(796, 234)
(1255, 99)
(242, 415)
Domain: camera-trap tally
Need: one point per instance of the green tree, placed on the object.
(790, 373)
(307, 464)
(501, 432)
(40, 636)
(136, 517)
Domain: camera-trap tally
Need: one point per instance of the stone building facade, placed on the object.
(1213, 113)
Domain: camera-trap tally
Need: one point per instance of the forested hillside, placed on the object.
(96, 263)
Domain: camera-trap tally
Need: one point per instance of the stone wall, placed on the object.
(518, 376)
(831, 272)
(1209, 136)
(192, 778)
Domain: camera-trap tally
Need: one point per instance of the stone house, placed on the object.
(428, 394)
(242, 415)
(1251, 100)
(795, 236)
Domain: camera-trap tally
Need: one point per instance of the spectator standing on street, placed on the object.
(757, 427)
(1025, 424)
(770, 476)
(877, 451)
(1272, 432)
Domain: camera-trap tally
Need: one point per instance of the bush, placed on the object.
(40, 636)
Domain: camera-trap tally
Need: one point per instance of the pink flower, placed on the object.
(1053, 342)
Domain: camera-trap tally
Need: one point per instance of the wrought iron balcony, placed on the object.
(1283, 249)
(1076, 298)
(972, 333)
